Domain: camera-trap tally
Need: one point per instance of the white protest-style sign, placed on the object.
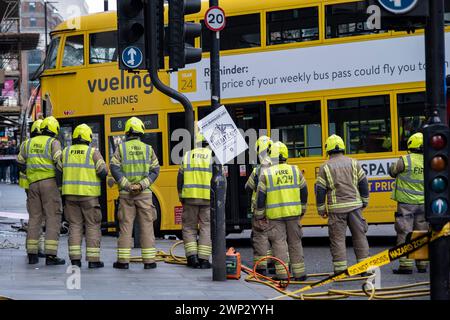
(223, 136)
(324, 67)
(215, 19)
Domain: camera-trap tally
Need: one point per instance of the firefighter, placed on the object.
(342, 192)
(83, 168)
(409, 194)
(281, 202)
(259, 238)
(41, 156)
(23, 181)
(194, 186)
(135, 167)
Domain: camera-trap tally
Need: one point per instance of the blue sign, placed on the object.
(398, 6)
(132, 57)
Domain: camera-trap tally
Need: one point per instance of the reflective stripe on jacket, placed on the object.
(340, 176)
(79, 172)
(197, 171)
(136, 160)
(23, 180)
(409, 186)
(40, 165)
(283, 191)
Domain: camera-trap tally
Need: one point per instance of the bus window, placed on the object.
(411, 116)
(74, 51)
(293, 25)
(364, 123)
(50, 62)
(299, 126)
(103, 47)
(153, 139)
(447, 12)
(346, 20)
(241, 32)
(175, 121)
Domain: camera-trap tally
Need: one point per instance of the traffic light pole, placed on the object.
(153, 64)
(218, 233)
(436, 113)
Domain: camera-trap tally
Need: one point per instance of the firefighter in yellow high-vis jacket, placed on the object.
(194, 190)
(281, 201)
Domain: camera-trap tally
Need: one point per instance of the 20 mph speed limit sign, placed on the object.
(215, 19)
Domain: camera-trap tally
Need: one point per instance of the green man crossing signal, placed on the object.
(436, 167)
(180, 32)
(131, 34)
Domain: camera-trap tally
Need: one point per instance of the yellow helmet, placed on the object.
(50, 124)
(278, 149)
(415, 141)
(263, 143)
(334, 143)
(134, 125)
(36, 126)
(82, 132)
(199, 137)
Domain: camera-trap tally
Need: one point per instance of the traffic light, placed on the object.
(180, 32)
(436, 167)
(131, 34)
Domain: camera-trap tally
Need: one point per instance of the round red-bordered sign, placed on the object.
(215, 19)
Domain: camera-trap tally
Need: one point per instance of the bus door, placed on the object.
(238, 210)
(97, 125)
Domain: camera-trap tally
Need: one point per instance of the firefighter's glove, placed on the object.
(135, 189)
(323, 214)
(260, 223)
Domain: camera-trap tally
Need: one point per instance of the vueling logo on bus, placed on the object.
(124, 82)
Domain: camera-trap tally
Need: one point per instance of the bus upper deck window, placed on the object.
(103, 47)
(293, 25)
(347, 19)
(411, 116)
(74, 51)
(241, 32)
(299, 127)
(50, 62)
(364, 123)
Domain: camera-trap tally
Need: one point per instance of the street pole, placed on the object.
(46, 27)
(436, 113)
(218, 233)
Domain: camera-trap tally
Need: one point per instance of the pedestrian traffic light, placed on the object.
(436, 175)
(131, 34)
(180, 32)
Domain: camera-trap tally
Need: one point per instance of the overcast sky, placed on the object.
(97, 5)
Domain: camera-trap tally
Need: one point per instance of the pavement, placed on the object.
(18, 280)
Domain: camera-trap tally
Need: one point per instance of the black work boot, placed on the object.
(422, 270)
(192, 262)
(52, 260)
(33, 258)
(120, 265)
(402, 271)
(76, 263)
(204, 264)
(261, 271)
(150, 265)
(271, 268)
(301, 278)
(96, 265)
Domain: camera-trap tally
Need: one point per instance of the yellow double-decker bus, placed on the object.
(306, 69)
